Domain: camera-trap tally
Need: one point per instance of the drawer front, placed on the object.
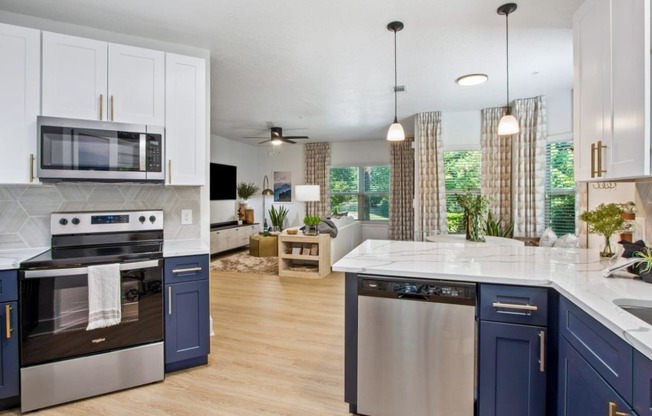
(642, 384)
(607, 353)
(8, 285)
(185, 269)
(514, 304)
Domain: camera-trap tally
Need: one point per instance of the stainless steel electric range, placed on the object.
(61, 360)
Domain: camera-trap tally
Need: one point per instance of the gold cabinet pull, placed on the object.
(8, 328)
(31, 167)
(542, 351)
(101, 106)
(112, 118)
(170, 171)
(600, 148)
(593, 160)
(613, 410)
(500, 305)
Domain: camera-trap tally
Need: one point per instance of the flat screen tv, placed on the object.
(223, 182)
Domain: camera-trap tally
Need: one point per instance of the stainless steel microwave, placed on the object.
(87, 150)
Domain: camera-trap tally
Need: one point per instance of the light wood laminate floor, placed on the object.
(278, 349)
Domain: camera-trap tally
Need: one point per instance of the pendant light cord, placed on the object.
(395, 81)
(507, 58)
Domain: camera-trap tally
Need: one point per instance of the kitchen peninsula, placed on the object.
(579, 307)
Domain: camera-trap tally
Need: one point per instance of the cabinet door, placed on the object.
(642, 384)
(511, 380)
(74, 77)
(8, 350)
(185, 127)
(136, 85)
(186, 321)
(591, 85)
(582, 391)
(629, 155)
(20, 83)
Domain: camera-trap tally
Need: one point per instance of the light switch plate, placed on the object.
(186, 217)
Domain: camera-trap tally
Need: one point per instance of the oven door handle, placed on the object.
(35, 274)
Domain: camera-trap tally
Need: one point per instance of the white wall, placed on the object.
(461, 129)
(284, 158)
(370, 152)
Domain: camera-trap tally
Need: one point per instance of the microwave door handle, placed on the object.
(143, 149)
(34, 274)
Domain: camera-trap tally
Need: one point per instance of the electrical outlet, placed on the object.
(186, 217)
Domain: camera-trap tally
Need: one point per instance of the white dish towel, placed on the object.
(104, 308)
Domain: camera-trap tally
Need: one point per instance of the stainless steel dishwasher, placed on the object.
(416, 347)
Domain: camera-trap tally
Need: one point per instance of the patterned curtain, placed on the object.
(496, 162)
(529, 152)
(581, 205)
(317, 172)
(430, 212)
(401, 188)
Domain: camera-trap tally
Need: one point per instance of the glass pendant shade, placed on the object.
(508, 125)
(395, 132)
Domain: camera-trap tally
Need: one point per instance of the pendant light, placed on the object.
(508, 124)
(395, 132)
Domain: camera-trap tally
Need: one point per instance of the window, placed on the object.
(560, 188)
(361, 191)
(461, 173)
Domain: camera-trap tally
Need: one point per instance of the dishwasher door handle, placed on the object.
(412, 296)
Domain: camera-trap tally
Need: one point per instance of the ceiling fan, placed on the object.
(276, 137)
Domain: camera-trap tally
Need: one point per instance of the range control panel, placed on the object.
(89, 222)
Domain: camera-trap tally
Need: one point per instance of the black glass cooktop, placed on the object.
(84, 256)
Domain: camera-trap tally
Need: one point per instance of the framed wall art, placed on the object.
(282, 186)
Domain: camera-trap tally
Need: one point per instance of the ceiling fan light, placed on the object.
(472, 79)
(508, 125)
(395, 132)
(276, 141)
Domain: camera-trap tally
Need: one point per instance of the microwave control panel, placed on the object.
(154, 153)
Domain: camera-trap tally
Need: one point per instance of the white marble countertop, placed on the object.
(11, 259)
(574, 273)
(176, 248)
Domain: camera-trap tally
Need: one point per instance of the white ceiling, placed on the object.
(326, 67)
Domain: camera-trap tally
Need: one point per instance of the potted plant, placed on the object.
(643, 267)
(311, 222)
(474, 206)
(629, 215)
(494, 226)
(277, 216)
(604, 220)
(246, 191)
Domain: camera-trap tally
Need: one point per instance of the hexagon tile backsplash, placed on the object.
(25, 210)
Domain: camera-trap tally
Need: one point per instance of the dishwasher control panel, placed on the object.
(417, 289)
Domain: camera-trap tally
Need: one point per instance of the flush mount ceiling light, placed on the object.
(395, 132)
(472, 79)
(508, 123)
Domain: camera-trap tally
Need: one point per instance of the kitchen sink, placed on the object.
(640, 308)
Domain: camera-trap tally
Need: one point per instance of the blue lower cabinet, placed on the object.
(512, 380)
(582, 391)
(8, 350)
(642, 384)
(187, 315)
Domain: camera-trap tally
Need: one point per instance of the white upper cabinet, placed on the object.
(89, 79)
(185, 129)
(136, 85)
(19, 102)
(611, 90)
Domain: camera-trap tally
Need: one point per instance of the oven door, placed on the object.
(54, 312)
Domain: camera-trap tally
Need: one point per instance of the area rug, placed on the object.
(242, 262)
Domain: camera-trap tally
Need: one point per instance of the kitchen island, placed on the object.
(573, 274)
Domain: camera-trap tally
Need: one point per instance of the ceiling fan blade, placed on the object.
(253, 137)
(264, 141)
(296, 137)
(285, 140)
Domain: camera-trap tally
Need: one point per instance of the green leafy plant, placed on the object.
(474, 206)
(277, 216)
(311, 220)
(246, 190)
(644, 265)
(605, 219)
(494, 226)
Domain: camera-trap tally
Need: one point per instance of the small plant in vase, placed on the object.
(605, 220)
(474, 206)
(643, 267)
(277, 216)
(311, 222)
(245, 191)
